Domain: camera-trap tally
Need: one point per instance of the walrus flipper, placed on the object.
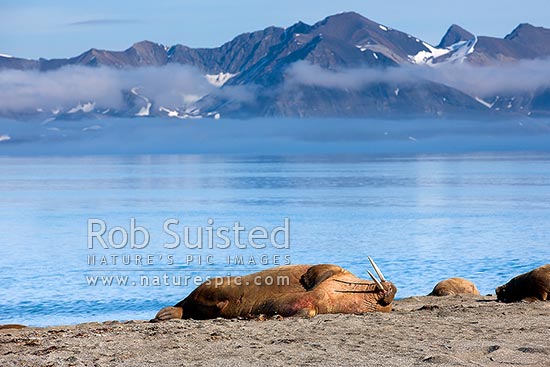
(168, 313)
(317, 274)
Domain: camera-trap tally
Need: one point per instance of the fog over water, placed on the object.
(271, 136)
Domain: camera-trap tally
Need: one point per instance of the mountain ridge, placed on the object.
(261, 60)
(161, 54)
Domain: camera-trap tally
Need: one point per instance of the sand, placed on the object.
(421, 331)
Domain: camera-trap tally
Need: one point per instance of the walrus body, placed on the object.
(530, 286)
(453, 287)
(292, 290)
(12, 326)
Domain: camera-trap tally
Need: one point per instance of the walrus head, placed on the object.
(508, 293)
(385, 290)
(386, 296)
(502, 293)
(376, 296)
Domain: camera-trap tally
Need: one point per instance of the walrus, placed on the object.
(453, 287)
(11, 326)
(291, 290)
(529, 287)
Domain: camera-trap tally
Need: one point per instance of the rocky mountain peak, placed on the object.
(537, 39)
(522, 30)
(455, 34)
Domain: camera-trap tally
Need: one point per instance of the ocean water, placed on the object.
(422, 218)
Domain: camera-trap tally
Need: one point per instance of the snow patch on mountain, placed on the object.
(460, 50)
(485, 103)
(86, 107)
(454, 53)
(189, 113)
(170, 113)
(424, 57)
(145, 110)
(6, 56)
(220, 79)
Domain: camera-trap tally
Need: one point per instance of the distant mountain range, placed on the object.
(262, 60)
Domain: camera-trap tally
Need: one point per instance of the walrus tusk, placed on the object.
(378, 284)
(376, 269)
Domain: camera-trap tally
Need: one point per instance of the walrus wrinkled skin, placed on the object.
(292, 290)
(453, 287)
(529, 287)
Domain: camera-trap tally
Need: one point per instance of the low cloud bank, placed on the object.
(171, 86)
(480, 81)
(179, 86)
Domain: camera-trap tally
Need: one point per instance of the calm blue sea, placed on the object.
(423, 218)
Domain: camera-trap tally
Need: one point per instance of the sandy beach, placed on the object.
(421, 331)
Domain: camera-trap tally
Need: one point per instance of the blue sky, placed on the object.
(62, 28)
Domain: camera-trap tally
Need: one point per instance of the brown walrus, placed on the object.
(292, 290)
(12, 326)
(454, 286)
(531, 286)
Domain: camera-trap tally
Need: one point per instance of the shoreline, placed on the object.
(452, 330)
